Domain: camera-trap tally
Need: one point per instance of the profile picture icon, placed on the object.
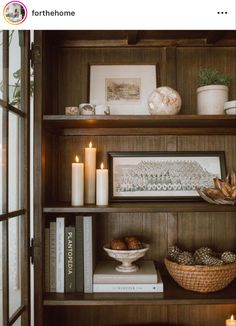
(15, 12)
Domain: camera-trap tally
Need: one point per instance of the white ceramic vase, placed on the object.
(211, 99)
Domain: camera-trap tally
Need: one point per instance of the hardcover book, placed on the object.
(52, 250)
(106, 273)
(146, 279)
(119, 288)
(89, 252)
(47, 260)
(70, 254)
(79, 259)
(60, 261)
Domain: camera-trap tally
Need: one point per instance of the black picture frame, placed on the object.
(162, 176)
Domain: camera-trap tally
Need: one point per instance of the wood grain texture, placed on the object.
(73, 64)
(199, 315)
(149, 228)
(189, 61)
(64, 82)
(140, 124)
(211, 143)
(40, 76)
(178, 68)
(111, 38)
(181, 315)
(215, 230)
(25, 187)
(62, 150)
(138, 207)
(122, 315)
(172, 295)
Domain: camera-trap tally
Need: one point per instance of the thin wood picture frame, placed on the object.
(125, 88)
(157, 176)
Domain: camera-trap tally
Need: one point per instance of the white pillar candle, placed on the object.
(90, 174)
(231, 321)
(102, 186)
(77, 189)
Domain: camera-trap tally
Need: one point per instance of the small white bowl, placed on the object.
(230, 107)
(230, 111)
(126, 257)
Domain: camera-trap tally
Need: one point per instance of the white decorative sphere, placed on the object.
(164, 100)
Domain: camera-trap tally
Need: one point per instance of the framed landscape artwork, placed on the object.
(124, 88)
(162, 175)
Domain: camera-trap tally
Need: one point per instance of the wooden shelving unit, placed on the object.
(190, 224)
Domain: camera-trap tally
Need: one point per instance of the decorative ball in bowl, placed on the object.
(126, 257)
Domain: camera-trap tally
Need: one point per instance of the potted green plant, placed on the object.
(212, 91)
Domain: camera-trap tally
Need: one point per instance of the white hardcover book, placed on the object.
(131, 287)
(106, 273)
(88, 253)
(60, 257)
(47, 260)
(52, 267)
(119, 288)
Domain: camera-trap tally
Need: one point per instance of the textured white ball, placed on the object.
(164, 100)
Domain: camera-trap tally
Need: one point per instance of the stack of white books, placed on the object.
(107, 279)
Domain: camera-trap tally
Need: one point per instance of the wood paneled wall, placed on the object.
(188, 62)
(67, 82)
(189, 230)
(66, 85)
(60, 152)
(172, 315)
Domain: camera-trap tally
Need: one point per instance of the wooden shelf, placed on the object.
(145, 207)
(173, 294)
(58, 138)
(141, 125)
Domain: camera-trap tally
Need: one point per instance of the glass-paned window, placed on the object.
(15, 69)
(14, 162)
(14, 279)
(14, 263)
(17, 322)
(2, 162)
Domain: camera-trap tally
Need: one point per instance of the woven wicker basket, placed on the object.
(218, 201)
(202, 278)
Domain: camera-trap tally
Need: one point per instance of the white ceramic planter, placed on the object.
(211, 99)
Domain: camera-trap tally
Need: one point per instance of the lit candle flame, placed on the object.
(77, 159)
(232, 317)
(102, 166)
(90, 145)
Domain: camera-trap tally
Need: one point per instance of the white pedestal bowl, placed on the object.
(126, 257)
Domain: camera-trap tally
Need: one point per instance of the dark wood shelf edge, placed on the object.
(173, 295)
(180, 117)
(141, 207)
(141, 125)
(134, 302)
